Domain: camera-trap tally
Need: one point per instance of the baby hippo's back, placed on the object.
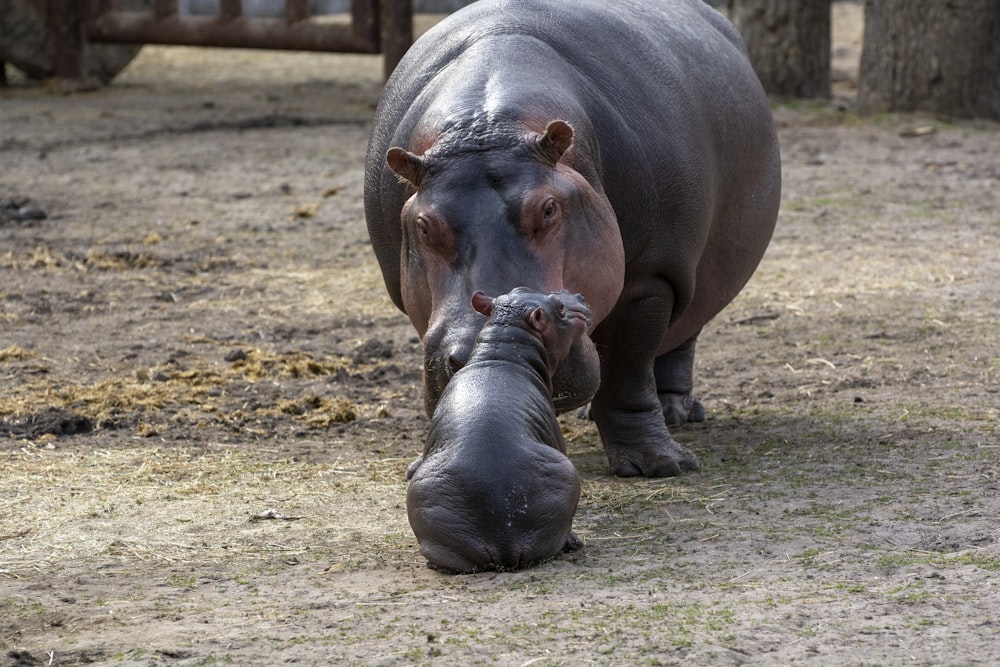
(494, 489)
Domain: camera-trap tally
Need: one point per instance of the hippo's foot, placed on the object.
(639, 445)
(674, 373)
(573, 543)
(666, 460)
(681, 408)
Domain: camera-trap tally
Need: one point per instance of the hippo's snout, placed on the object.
(471, 519)
(447, 348)
(476, 556)
(440, 364)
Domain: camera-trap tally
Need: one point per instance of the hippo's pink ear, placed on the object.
(557, 139)
(482, 303)
(406, 165)
(539, 320)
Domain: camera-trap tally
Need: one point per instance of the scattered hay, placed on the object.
(157, 504)
(242, 394)
(15, 353)
(257, 364)
(612, 495)
(120, 261)
(42, 258)
(316, 411)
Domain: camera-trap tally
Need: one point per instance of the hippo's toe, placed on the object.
(681, 408)
(668, 460)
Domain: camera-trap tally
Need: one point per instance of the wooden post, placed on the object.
(296, 10)
(163, 9)
(66, 20)
(230, 10)
(396, 18)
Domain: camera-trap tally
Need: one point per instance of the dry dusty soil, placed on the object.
(207, 403)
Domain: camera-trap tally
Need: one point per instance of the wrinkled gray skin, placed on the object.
(624, 150)
(493, 489)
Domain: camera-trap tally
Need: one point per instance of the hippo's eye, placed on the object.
(541, 215)
(433, 234)
(422, 227)
(549, 209)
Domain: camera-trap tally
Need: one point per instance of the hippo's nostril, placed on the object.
(457, 356)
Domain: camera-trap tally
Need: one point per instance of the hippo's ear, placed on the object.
(557, 139)
(406, 165)
(538, 319)
(482, 303)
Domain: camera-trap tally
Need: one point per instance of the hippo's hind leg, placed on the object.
(627, 407)
(674, 373)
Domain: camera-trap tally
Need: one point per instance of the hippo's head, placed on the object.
(493, 205)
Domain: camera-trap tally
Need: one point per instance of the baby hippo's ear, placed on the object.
(482, 304)
(538, 319)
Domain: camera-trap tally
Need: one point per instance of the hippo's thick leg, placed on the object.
(626, 408)
(674, 373)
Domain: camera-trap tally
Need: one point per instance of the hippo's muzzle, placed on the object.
(470, 521)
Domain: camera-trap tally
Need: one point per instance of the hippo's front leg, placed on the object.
(626, 408)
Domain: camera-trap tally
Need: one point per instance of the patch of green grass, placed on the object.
(813, 203)
(186, 581)
(11, 608)
(977, 559)
(937, 411)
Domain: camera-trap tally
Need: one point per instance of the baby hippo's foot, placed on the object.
(573, 543)
(681, 408)
(412, 468)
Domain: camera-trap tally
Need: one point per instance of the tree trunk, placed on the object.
(28, 41)
(941, 56)
(789, 44)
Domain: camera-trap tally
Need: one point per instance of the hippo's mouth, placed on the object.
(437, 373)
(581, 315)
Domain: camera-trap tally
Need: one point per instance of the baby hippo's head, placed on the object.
(494, 489)
(558, 319)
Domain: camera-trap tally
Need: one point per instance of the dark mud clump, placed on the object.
(20, 211)
(48, 421)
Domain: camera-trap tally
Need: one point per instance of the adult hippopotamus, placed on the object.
(493, 488)
(624, 150)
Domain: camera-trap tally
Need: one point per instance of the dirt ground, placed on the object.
(207, 402)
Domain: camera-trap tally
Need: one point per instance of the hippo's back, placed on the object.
(662, 99)
(622, 50)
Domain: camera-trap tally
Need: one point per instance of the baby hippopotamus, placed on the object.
(493, 489)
